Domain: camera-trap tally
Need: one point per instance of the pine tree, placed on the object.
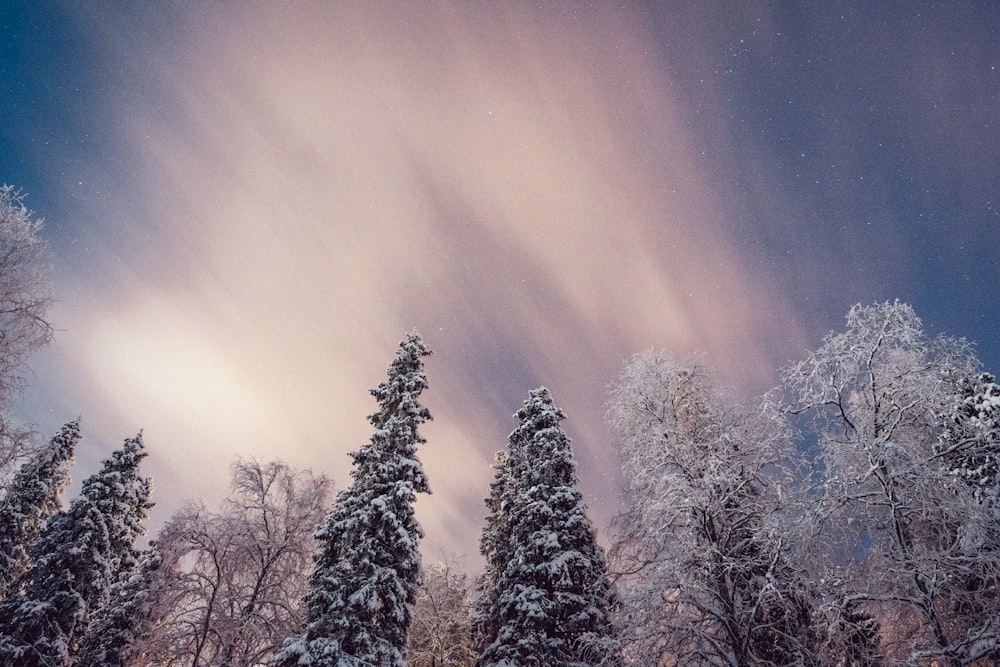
(77, 558)
(546, 598)
(31, 498)
(368, 567)
(116, 625)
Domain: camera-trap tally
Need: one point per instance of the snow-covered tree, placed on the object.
(916, 532)
(849, 635)
(440, 634)
(30, 499)
(77, 558)
(368, 565)
(497, 546)
(116, 625)
(231, 587)
(701, 552)
(545, 598)
(969, 443)
(25, 296)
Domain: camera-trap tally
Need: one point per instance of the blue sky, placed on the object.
(249, 204)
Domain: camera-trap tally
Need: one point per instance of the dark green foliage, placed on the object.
(116, 625)
(368, 567)
(31, 498)
(545, 598)
(77, 558)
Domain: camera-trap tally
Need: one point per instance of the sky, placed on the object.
(249, 204)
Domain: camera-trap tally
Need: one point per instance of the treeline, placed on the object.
(848, 518)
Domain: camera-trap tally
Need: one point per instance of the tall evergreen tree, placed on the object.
(31, 498)
(497, 546)
(77, 558)
(116, 625)
(368, 567)
(545, 596)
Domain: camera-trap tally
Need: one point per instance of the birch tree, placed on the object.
(230, 587)
(25, 297)
(440, 634)
(916, 533)
(701, 552)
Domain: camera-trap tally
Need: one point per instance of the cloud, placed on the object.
(313, 183)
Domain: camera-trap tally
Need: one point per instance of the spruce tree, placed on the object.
(77, 558)
(368, 566)
(497, 545)
(31, 498)
(545, 596)
(116, 625)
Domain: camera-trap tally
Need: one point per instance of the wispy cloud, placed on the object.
(315, 182)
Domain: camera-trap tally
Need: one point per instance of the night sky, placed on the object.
(249, 204)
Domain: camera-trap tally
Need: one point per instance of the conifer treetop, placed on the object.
(545, 598)
(77, 559)
(31, 498)
(368, 564)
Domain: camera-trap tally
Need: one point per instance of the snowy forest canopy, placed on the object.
(849, 517)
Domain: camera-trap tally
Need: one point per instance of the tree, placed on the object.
(701, 551)
(368, 566)
(853, 636)
(440, 633)
(497, 546)
(25, 296)
(230, 588)
(969, 449)
(30, 499)
(969, 443)
(918, 534)
(116, 626)
(77, 557)
(546, 598)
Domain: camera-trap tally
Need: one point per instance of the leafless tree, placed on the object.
(25, 297)
(230, 588)
(701, 552)
(440, 632)
(915, 533)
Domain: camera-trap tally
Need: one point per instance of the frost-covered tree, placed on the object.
(545, 598)
(702, 552)
(232, 582)
(116, 625)
(25, 297)
(917, 535)
(969, 449)
(368, 566)
(439, 634)
(77, 558)
(969, 443)
(30, 499)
